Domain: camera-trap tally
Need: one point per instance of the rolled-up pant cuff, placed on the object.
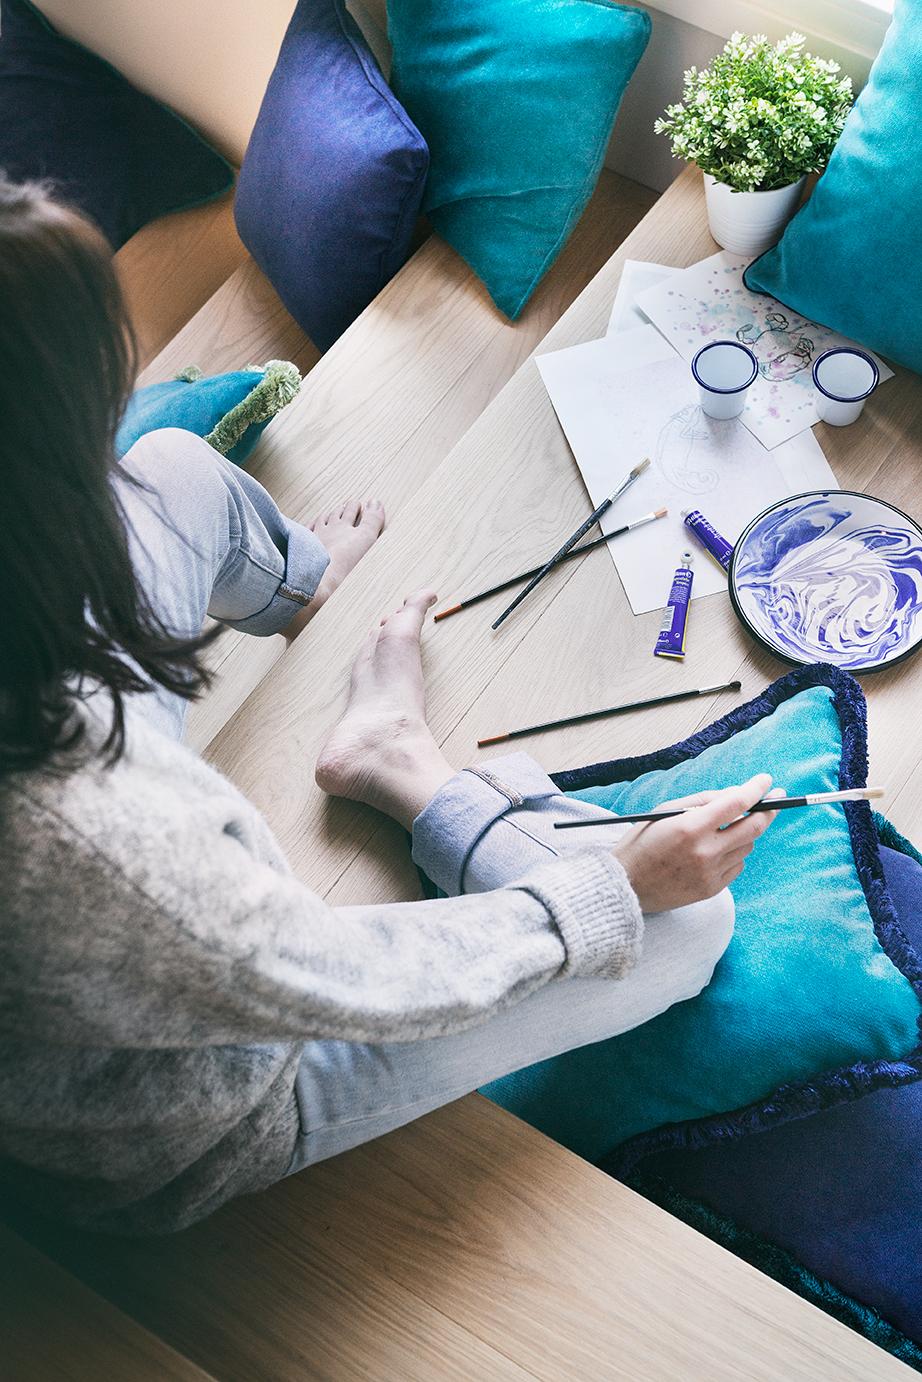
(448, 829)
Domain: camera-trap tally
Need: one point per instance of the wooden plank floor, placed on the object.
(359, 426)
(467, 1246)
(171, 267)
(496, 502)
(55, 1329)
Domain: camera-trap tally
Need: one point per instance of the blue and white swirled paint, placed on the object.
(832, 578)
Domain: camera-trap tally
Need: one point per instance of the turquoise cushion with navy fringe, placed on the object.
(816, 999)
(231, 411)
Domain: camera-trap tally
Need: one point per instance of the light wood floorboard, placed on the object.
(171, 267)
(468, 1246)
(382, 409)
(55, 1329)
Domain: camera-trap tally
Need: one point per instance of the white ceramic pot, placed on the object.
(749, 222)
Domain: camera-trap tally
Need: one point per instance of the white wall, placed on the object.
(635, 150)
(211, 59)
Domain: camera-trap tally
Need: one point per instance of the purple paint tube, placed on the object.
(671, 640)
(711, 540)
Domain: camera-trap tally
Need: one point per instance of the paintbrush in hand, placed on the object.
(766, 804)
(573, 539)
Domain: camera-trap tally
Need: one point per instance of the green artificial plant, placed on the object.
(762, 115)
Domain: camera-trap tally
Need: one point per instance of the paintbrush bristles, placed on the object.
(640, 467)
(660, 513)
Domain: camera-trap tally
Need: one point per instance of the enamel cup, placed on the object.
(723, 371)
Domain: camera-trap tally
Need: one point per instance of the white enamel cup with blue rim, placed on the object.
(723, 371)
(842, 379)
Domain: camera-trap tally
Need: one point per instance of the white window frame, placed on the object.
(851, 31)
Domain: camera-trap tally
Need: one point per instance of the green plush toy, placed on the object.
(231, 411)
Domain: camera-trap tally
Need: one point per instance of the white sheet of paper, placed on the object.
(616, 408)
(636, 276)
(709, 302)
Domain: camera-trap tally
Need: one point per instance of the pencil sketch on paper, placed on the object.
(613, 407)
(684, 453)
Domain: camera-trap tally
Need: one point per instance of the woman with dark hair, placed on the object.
(181, 1021)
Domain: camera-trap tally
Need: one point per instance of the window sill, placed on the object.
(849, 30)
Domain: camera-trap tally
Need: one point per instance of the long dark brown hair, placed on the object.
(73, 617)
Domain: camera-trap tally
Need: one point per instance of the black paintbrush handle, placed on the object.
(561, 552)
(587, 715)
(776, 804)
(526, 575)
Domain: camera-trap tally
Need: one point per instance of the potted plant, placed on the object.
(756, 122)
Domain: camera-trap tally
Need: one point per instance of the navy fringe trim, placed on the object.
(834, 1086)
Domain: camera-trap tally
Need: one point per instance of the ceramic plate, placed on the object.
(831, 576)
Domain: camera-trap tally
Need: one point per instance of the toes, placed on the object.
(422, 599)
(408, 621)
(349, 513)
(372, 514)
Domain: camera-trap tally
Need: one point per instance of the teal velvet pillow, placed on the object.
(812, 1001)
(851, 257)
(516, 100)
(231, 411)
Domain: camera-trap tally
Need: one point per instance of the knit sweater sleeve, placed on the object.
(195, 941)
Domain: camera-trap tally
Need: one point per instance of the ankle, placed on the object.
(306, 613)
(404, 794)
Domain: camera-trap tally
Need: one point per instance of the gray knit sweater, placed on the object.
(160, 969)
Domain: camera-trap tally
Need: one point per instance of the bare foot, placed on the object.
(347, 532)
(382, 751)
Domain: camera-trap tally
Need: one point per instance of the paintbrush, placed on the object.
(527, 575)
(610, 710)
(767, 804)
(573, 539)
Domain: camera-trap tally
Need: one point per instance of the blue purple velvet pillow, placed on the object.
(69, 118)
(333, 176)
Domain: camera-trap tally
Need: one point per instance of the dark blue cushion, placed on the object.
(333, 177)
(839, 1190)
(68, 117)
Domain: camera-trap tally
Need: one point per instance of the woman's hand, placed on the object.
(691, 857)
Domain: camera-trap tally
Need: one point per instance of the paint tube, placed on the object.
(711, 540)
(671, 640)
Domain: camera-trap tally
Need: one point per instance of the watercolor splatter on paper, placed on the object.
(832, 577)
(709, 302)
